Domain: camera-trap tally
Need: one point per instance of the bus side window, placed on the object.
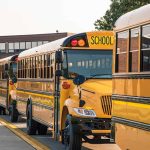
(42, 67)
(39, 66)
(26, 68)
(48, 66)
(45, 66)
(52, 65)
(0, 71)
(36, 67)
(121, 51)
(145, 49)
(134, 49)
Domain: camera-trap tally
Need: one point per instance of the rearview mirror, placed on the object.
(58, 57)
(79, 80)
(6, 67)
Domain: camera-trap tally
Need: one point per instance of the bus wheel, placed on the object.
(31, 125)
(42, 129)
(13, 114)
(72, 137)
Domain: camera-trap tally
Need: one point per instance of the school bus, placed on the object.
(131, 78)
(67, 85)
(8, 71)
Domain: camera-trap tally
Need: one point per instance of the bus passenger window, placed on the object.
(134, 48)
(45, 66)
(145, 48)
(121, 52)
(48, 66)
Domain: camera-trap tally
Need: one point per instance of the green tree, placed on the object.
(117, 8)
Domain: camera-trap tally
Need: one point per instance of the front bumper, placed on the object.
(92, 125)
(98, 127)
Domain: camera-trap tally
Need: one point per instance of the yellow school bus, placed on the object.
(8, 71)
(131, 78)
(67, 85)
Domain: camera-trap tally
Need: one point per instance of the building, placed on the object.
(10, 45)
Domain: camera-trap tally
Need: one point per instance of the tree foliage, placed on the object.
(117, 8)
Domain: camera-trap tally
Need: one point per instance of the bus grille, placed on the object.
(106, 103)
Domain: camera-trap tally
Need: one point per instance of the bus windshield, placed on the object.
(89, 63)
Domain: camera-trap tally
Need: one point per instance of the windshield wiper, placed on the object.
(92, 76)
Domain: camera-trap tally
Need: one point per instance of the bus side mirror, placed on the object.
(79, 80)
(14, 79)
(58, 57)
(6, 67)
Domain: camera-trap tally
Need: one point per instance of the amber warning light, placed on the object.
(76, 42)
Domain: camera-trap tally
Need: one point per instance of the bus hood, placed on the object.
(101, 87)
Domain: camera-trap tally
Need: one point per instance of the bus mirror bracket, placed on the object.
(58, 57)
(58, 73)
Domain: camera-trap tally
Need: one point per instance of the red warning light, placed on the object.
(74, 42)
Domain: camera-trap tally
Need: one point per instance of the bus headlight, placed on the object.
(85, 112)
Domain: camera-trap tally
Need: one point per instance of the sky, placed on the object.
(19, 17)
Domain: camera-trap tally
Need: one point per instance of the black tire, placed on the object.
(42, 129)
(72, 137)
(62, 137)
(31, 124)
(13, 114)
(2, 111)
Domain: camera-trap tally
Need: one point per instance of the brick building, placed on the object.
(10, 45)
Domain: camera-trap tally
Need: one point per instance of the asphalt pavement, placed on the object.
(47, 140)
(9, 141)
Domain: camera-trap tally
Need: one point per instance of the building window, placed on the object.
(121, 53)
(44, 42)
(39, 43)
(22, 45)
(28, 45)
(11, 51)
(16, 45)
(133, 51)
(11, 45)
(2, 51)
(34, 44)
(145, 48)
(2, 45)
(2, 48)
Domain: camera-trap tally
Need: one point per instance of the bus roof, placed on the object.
(48, 47)
(8, 59)
(133, 18)
(63, 43)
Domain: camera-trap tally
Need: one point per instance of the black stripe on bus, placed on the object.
(36, 92)
(135, 99)
(36, 80)
(131, 123)
(43, 105)
(36, 104)
(3, 80)
(3, 87)
(131, 76)
(88, 91)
